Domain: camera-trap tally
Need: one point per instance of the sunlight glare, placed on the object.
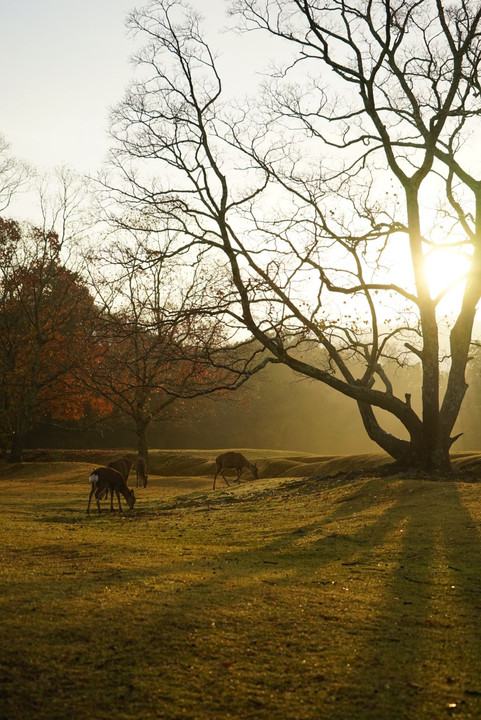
(447, 269)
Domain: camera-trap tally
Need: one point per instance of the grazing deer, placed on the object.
(236, 461)
(140, 466)
(104, 479)
(122, 465)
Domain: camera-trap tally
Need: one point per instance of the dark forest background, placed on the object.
(274, 410)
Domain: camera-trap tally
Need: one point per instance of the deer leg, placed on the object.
(226, 481)
(101, 494)
(118, 498)
(90, 498)
(97, 498)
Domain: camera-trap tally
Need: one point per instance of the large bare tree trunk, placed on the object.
(410, 78)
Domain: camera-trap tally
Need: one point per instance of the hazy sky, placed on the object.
(64, 63)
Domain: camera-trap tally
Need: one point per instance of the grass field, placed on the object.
(289, 597)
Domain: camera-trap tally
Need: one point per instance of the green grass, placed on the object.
(336, 598)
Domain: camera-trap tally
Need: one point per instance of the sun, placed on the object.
(446, 265)
(447, 269)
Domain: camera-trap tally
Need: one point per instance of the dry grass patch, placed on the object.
(284, 598)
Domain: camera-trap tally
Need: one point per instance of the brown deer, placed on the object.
(105, 479)
(122, 465)
(140, 466)
(236, 461)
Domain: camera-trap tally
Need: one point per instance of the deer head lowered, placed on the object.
(105, 479)
(236, 461)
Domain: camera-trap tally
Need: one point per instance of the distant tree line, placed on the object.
(80, 351)
(274, 410)
(104, 362)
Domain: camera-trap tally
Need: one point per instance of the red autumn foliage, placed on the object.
(47, 320)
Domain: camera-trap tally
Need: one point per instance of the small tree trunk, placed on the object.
(141, 432)
(17, 448)
(20, 435)
(24, 413)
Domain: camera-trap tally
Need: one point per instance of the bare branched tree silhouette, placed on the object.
(289, 193)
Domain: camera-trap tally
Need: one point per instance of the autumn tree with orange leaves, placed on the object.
(47, 321)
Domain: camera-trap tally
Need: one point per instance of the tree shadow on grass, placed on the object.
(370, 611)
(408, 645)
(418, 650)
(378, 583)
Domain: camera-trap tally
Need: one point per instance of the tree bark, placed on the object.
(141, 432)
(17, 448)
(427, 454)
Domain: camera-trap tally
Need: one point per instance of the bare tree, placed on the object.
(65, 206)
(293, 196)
(157, 345)
(13, 174)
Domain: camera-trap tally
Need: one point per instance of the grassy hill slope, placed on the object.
(290, 597)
